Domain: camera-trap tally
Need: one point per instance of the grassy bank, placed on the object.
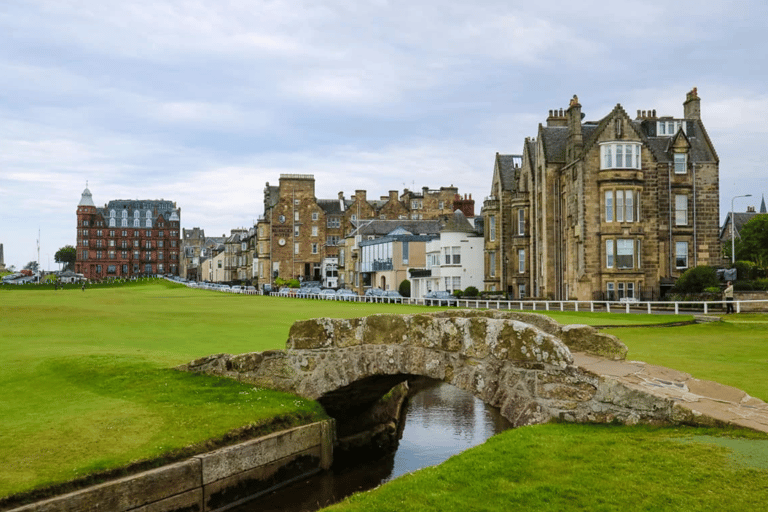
(87, 383)
(587, 467)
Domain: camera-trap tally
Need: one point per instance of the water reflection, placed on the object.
(440, 421)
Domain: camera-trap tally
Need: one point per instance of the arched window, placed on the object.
(125, 223)
(136, 214)
(125, 214)
(136, 222)
(149, 223)
(149, 214)
(112, 222)
(111, 213)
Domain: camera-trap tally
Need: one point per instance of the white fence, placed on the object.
(620, 306)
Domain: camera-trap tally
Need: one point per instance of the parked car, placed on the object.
(285, 292)
(308, 292)
(373, 294)
(391, 296)
(344, 294)
(440, 298)
(327, 293)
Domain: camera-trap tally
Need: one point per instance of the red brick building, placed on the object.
(127, 238)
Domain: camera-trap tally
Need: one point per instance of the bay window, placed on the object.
(615, 155)
(622, 205)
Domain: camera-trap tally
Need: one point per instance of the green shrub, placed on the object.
(405, 288)
(745, 270)
(696, 279)
(713, 289)
(471, 291)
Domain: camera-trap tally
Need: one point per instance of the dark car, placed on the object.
(440, 298)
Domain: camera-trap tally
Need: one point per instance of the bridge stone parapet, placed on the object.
(518, 362)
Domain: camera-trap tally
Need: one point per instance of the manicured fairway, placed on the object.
(86, 376)
(587, 468)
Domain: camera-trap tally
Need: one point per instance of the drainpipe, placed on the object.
(669, 186)
(695, 246)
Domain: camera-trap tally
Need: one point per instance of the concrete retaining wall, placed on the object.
(210, 481)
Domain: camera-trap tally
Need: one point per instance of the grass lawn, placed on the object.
(587, 467)
(87, 383)
(88, 386)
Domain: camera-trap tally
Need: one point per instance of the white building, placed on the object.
(454, 260)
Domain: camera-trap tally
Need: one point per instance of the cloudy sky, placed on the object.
(204, 101)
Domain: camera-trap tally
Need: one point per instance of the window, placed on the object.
(441, 205)
(353, 217)
(620, 289)
(99, 255)
(111, 213)
(125, 269)
(614, 155)
(112, 255)
(456, 253)
(98, 269)
(125, 233)
(314, 248)
(521, 261)
(609, 254)
(148, 244)
(159, 255)
(160, 233)
(135, 243)
(296, 231)
(85, 255)
(296, 202)
(85, 243)
(681, 254)
(124, 254)
(457, 282)
(314, 230)
(491, 228)
(135, 255)
(149, 223)
(136, 223)
(332, 240)
(416, 205)
(148, 268)
(681, 163)
(625, 253)
(85, 223)
(111, 223)
(622, 206)
(147, 233)
(315, 216)
(98, 232)
(124, 223)
(406, 250)
(521, 222)
(111, 269)
(521, 290)
(681, 210)
(610, 291)
(296, 216)
(334, 222)
(492, 263)
(296, 248)
(669, 127)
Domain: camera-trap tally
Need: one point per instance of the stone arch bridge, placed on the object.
(520, 363)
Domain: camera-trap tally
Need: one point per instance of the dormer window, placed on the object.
(669, 127)
(614, 155)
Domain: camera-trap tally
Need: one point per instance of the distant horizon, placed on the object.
(203, 103)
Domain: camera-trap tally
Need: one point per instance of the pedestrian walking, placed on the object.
(728, 294)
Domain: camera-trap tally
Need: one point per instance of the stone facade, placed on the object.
(299, 234)
(614, 208)
(127, 238)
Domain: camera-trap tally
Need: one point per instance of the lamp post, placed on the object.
(733, 236)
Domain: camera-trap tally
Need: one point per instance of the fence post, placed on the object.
(627, 309)
(677, 308)
(546, 305)
(649, 308)
(576, 306)
(561, 305)
(591, 307)
(607, 307)
(705, 307)
(738, 306)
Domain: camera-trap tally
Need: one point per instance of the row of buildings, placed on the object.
(612, 208)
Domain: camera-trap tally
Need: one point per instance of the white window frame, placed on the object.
(681, 252)
(492, 228)
(680, 162)
(681, 209)
(609, 253)
(492, 264)
(521, 222)
(314, 230)
(620, 155)
(521, 261)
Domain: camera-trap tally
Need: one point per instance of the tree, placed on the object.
(753, 242)
(66, 255)
(405, 288)
(696, 280)
(32, 265)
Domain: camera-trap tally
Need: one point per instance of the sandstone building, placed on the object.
(127, 238)
(299, 235)
(605, 209)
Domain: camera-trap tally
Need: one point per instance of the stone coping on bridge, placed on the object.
(696, 401)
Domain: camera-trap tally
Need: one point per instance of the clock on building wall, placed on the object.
(281, 219)
(281, 241)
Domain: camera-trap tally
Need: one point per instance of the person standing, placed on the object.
(728, 293)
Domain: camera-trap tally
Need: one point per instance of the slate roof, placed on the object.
(378, 227)
(458, 223)
(330, 206)
(507, 165)
(700, 150)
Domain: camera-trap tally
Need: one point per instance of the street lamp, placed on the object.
(733, 236)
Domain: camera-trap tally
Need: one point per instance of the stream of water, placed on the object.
(440, 421)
